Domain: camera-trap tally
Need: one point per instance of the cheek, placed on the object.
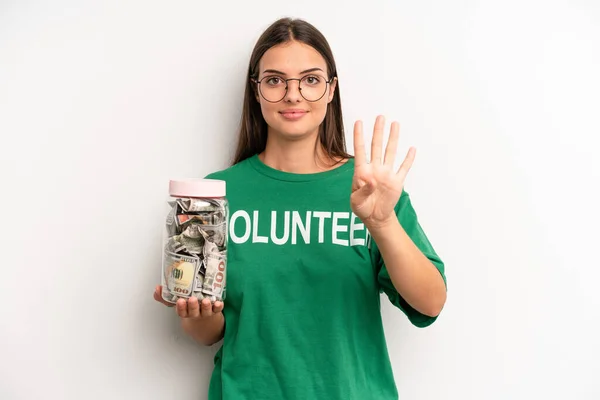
(319, 109)
(269, 112)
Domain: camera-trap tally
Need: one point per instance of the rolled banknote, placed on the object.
(179, 277)
(215, 275)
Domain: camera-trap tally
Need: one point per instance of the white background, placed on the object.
(102, 102)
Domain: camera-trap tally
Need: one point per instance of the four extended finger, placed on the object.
(407, 163)
(392, 144)
(377, 141)
(360, 156)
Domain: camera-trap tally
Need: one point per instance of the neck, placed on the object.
(299, 156)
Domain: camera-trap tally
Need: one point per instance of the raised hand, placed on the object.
(376, 186)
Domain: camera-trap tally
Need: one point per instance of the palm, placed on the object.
(376, 187)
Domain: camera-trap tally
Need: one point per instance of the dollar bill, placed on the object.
(194, 231)
(168, 296)
(203, 219)
(171, 223)
(215, 275)
(199, 282)
(195, 205)
(210, 248)
(191, 245)
(216, 234)
(179, 274)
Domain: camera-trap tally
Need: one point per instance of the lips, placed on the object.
(293, 113)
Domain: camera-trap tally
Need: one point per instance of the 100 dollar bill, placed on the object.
(180, 274)
(214, 276)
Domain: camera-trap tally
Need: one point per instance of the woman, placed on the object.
(315, 236)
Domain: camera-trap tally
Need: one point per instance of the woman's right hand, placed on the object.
(192, 308)
(199, 319)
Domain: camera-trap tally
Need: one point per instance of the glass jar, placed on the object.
(195, 241)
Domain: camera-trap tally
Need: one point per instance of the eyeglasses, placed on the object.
(274, 88)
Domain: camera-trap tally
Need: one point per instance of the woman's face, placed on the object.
(290, 114)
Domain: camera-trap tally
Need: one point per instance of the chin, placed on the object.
(295, 129)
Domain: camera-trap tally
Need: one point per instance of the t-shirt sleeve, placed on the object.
(409, 221)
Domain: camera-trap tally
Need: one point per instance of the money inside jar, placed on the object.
(195, 249)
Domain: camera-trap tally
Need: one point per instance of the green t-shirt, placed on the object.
(304, 277)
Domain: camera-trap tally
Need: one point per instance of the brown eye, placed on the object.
(274, 81)
(312, 80)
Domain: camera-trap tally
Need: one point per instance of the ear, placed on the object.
(255, 89)
(332, 87)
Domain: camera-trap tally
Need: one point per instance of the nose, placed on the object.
(293, 91)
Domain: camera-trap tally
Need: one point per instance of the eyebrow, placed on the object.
(274, 71)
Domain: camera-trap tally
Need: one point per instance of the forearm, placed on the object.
(205, 331)
(413, 275)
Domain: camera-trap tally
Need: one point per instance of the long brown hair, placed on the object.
(252, 137)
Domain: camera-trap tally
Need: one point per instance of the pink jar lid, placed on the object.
(197, 188)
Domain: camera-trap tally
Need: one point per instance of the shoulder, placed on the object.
(237, 170)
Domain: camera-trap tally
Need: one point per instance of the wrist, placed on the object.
(383, 227)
